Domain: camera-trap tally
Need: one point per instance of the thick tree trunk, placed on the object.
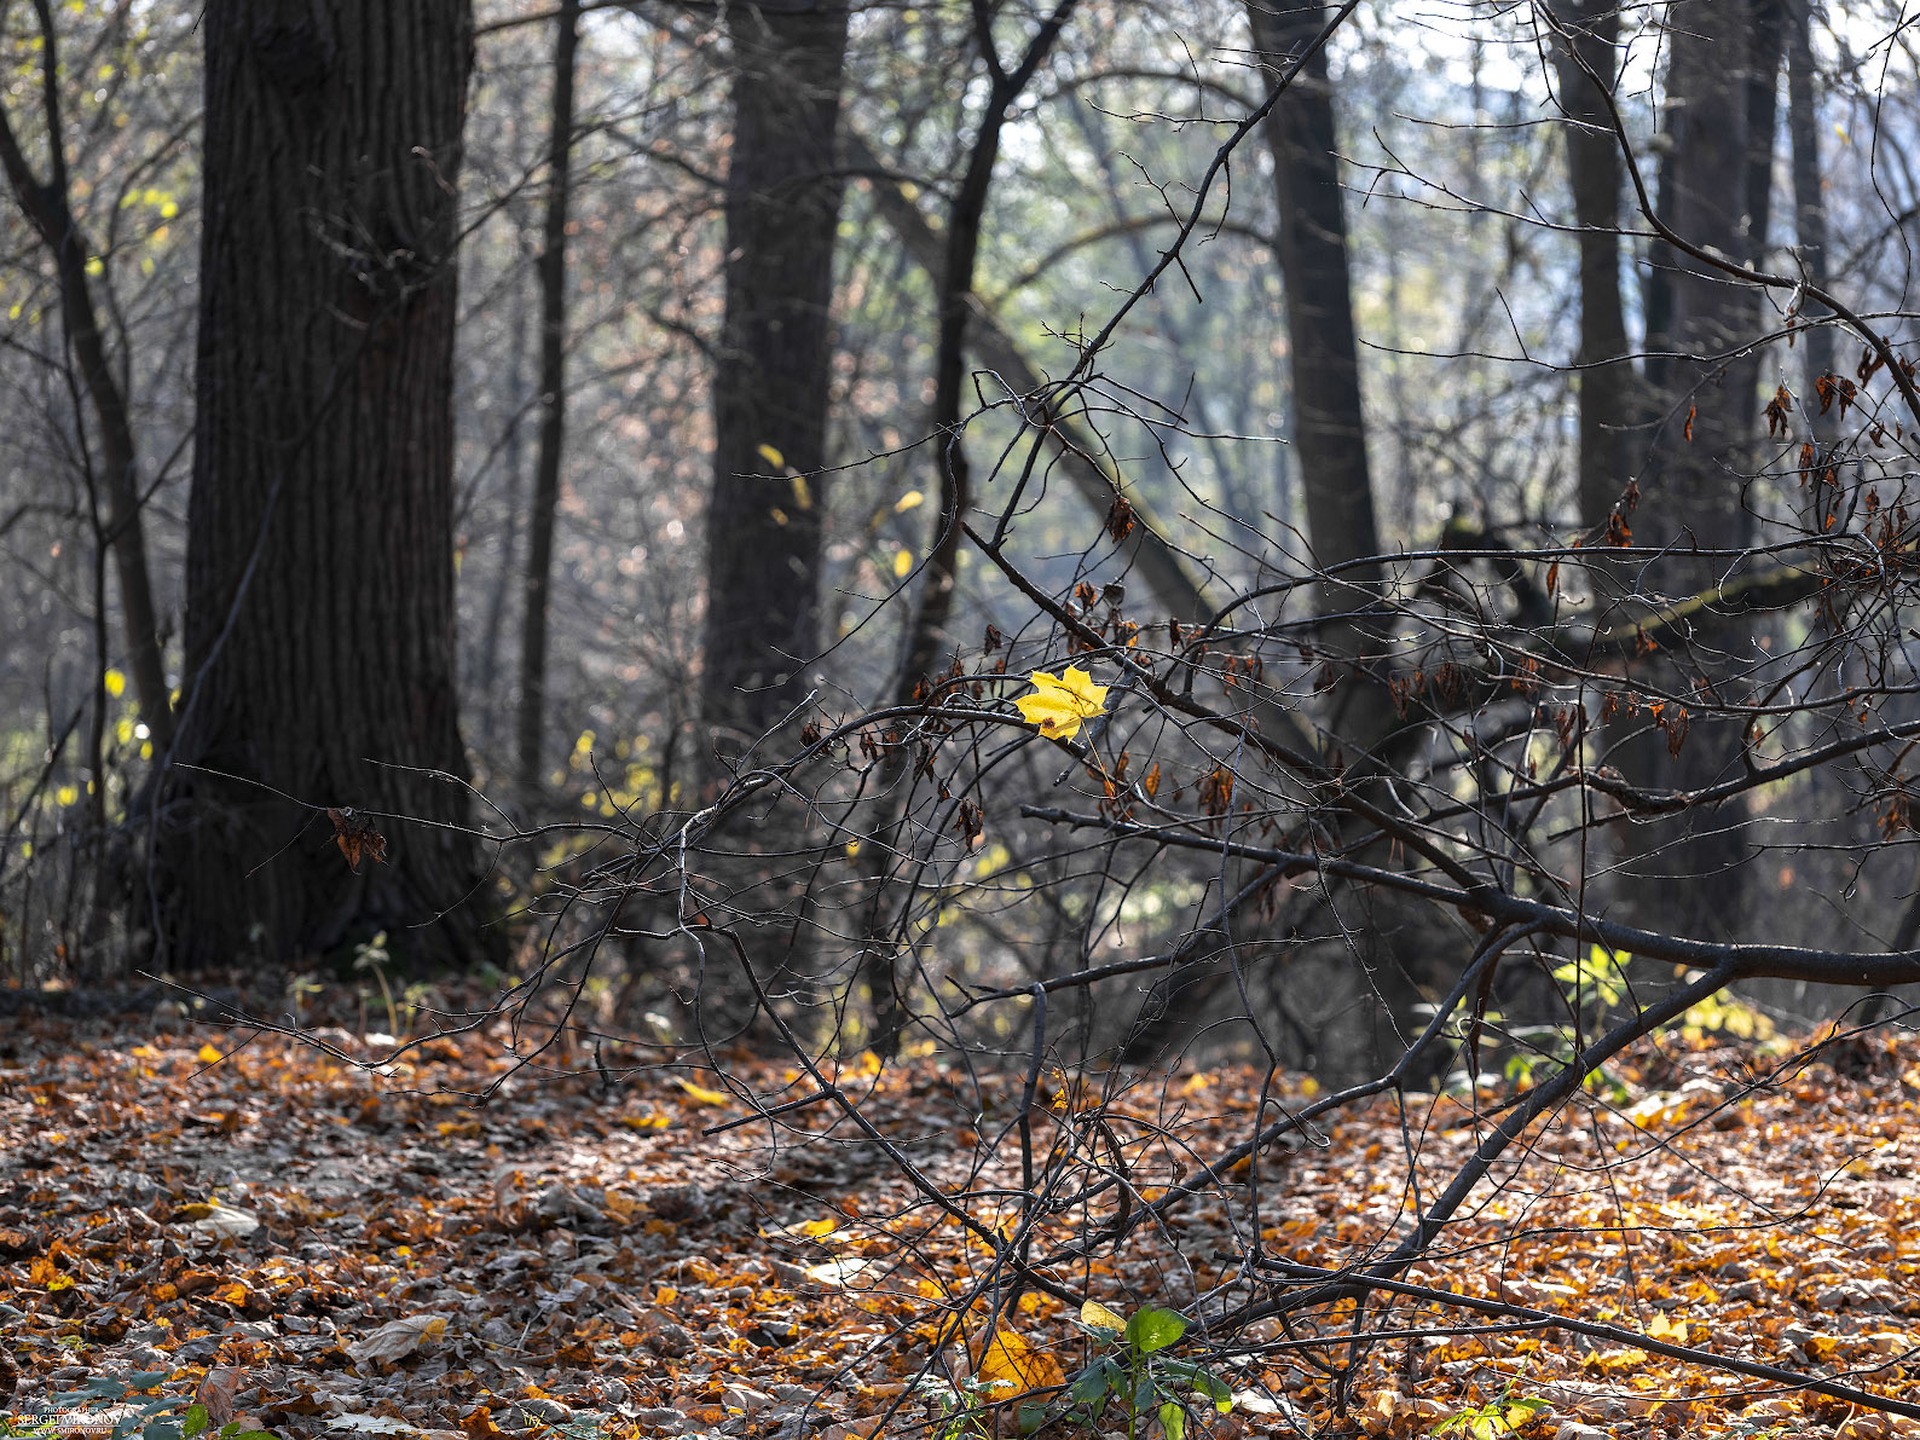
(553, 411)
(1364, 995)
(767, 509)
(1698, 492)
(1609, 404)
(1329, 424)
(1377, 979)
(1766, 40)
(1809, 205)
(770, 385)
(1686, 875)
(320, 612)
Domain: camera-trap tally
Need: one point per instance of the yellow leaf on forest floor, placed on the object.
(1664, 1328)
(702, 1094)
(1011, 1366)
(1623, 1358)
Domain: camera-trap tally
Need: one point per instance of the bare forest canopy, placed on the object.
(1043, 551)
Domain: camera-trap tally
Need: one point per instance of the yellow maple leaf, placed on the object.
(1012, 1365)
(1060, 703)
(1664, 1329)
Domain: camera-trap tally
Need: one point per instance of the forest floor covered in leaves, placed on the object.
(321, 1246)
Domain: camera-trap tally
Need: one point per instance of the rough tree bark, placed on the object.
(320, 612)
(771, 381)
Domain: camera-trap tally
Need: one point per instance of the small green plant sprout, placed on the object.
(965, 1410)
(1134, 1373)
(1554, 1046)
(1725, 1015)
(373, 955)
(121, 1408)
(1505, 1414)
(301, 988)
(1593, 989)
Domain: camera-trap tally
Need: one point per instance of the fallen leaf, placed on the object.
(705, 1096)
(372, 1425)
(218, 1219)
(397, 1339)
(836, 1272)
(1011, 1366)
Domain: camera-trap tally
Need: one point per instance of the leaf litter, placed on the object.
(335, 1248)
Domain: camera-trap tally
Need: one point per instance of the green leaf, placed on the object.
(147, 1380)
(1209, 1385)
(1173, 1420)
(1092, 1384)
(195, 1421)
(1153, 1329)
(1031, 1415)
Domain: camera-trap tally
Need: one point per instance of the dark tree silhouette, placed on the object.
(530, 725)
(770, 385)
(319, 630)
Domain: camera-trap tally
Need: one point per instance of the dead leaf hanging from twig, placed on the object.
(357, 837)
